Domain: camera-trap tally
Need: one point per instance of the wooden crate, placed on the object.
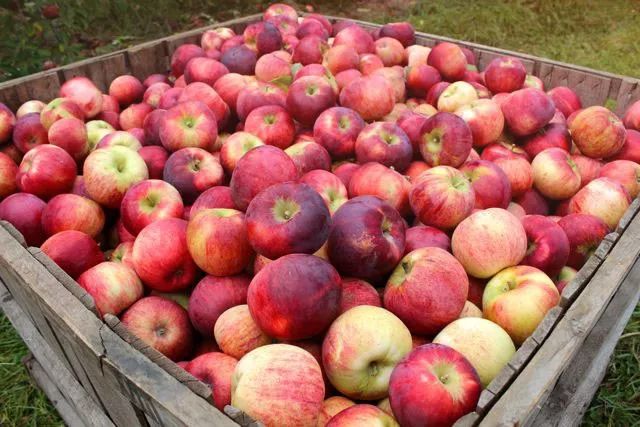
(99, 374)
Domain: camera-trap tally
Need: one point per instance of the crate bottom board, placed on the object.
(72, 402)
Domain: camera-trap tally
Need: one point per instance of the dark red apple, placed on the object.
(74, 251)
(548, 248)
(336, 129)
(24, 212)
(585, 232)
(424, 236)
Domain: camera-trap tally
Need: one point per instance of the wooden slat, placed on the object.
(148, 58)
(66, 384)
(101, 70)
(468, 420)
(42, 86)
(50, 389)
(528, 391)
(628, 93)
(581, 279)
(158, 358)
(579, 382)
(592, 89)
(149, 387)
(628, 216)
(66, 280)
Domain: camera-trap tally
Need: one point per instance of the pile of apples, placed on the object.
(326, 224)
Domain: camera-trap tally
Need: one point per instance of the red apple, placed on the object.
(126, 89)
(360, 415)
(355, 37)
(445, 139)
(258, 390)
(189, 124)
(554, 135)
(212, 296)
(110, 172)
(204, 93)
(8, 172)
(29, 133)
(604, 198)
(84, 93)
(362, 348)
(274, 68)
(121, 138)
(517, 299)
(216, 370)
(372, 97)
(149, 201)
(415, 169)
(385, 143)
(565, 100)
(504, 74)
(424, 236)
(191, 171)
(72, 212)
(24, 212)
(258, 169)
(272, 124)
(153, 94)
(308, 156)
(503, 148)
(433, 385)
(331, 407)
(329, 186)
(597, 132)
(32, 106)
(624, 172)
(588, 168)
(519, 173)
(345, 171)
(182, 55)
(427, 290)
(565, 277)
(456, 95)
(548, 248)
(7, 122)
(123, 253)
(218, 197)
(257, 95)
(485, 120)
(162, 324)
(46, 170)
(489, 241)
(631, 148)
(585, 232)
(336, 129)
(155, 157)
(449, 60)
(309, 50)
(237, 333)
(390, 51)
(632, 116)
(366, 218)
(555, 175)
(357, 292)
(171, 268)
(295, 297)
(442, 197)
(113, 286)
(205, 70)
(533, 203)
(57, 109)
(287, 218)
(395, 77)
(218, 242)
(74, 251)
(374, 179)
(70, 134)
(341, 58)
(308, 97)
(170, 98)
(526, 111)
(490, 184)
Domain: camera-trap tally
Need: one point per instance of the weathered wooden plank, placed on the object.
(153, 390)
(66, 280)
(13, 232)
(571, 291)
(605, 246)
(485, 401)
(43, 86)
(539, 376)
(549, 321)
(524, 353)
(241, 418)
(65, 382)
(593, 89)
(631, 212)
(628, 93)
(101, 70)
(580, 381)
(158, 358)
(41, 380)
(148, 58)
(468, 420)
(498, 385)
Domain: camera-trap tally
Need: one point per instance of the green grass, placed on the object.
(599, 34)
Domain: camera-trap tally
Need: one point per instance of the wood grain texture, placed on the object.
(75, 397)
(44, 86)
(578, 384)
(527, 393)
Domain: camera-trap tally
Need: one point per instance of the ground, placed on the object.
(599, 34)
